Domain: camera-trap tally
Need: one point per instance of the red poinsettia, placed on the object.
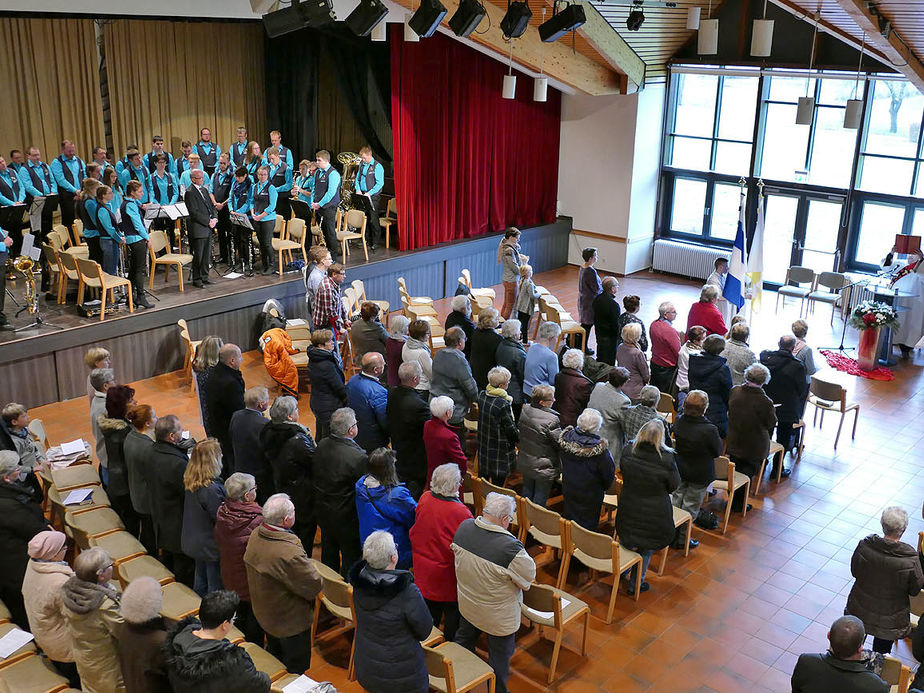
(869, 319)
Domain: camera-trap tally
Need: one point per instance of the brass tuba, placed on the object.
(350, 162)
(24, 265)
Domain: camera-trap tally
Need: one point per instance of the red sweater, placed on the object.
(442, 445)
(665, 343)
(438, 519)
(706, 315)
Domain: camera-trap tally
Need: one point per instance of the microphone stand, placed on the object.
(841, 348)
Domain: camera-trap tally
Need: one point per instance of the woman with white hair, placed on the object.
(629, 355)
(511, 354)
(461, 316)
(705, 312)
(497, 431)
(485, 341)
(391, 620)
(141, 637)
(537, 453)
(439, 514)
(394, 345)
(751, 420)
(572, 387)
(417, 350)
(441, 440)
(587, 469)
(886, 571)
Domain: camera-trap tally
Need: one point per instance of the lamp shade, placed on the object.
(693, 18)
(410, 35)
(762, 38)
(510, 87)
(707, 41)
(378, 32)
(805, 110)
(541, 89)
(853, 115)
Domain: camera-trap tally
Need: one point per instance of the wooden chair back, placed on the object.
(895, 673)
(279, 227)
(666, 405)
(91, 272)
(340, 595)
(157, 242)
(355, 219)
(831, 280)
(78, 232)
(828, 391)
(37, 430)
(391, 209)
(594, 544)
(467, 276)
(544, 598)
(352, 299)
(545, 520)
(724, 468)
(440, 667)
(296, 229)
(69, 263)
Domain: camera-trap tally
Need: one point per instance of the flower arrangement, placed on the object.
(869, 315)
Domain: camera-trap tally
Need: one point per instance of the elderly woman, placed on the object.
(589, 287)
(328, 389)
(572, 387)
(417, 349)
(737, 352)
(692, 347)
(751, 420)
(630, 356)
(709, 372)
(587, 469)
(438, 516)
(384, 503)
(636, 416)
(537, 455)
(236, 519)
(705, 313)
(91, 606)
(391, 620)
(630, 315)
(887, 572)
(136, 451)
(46, 574)
(497, 431)
(461, 316)
(115, 429)
(394, 346)
(541, 365)
(508, 256)
(511, 354)
(802, 351)
(645, 518)
(484, 346)
(204, 363)
(204, 495)
(609, 399)
(368, 334)
(141, 637)
(696, 445)
(441, 439)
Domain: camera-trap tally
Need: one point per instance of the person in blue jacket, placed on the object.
(110, 237)
(157, 149)
(280, 175)
(220, 189)
(239, 149)
(325, 199)
(69, 172)
(123, 162)
(12, 192)
(383, 502)
(36, 176)
(263, 216)
(110, 178)
(182, 162)
(368, 397)
(208, 152)
(240, 202)
(370, 179)
(165, 190)
(135, 170)
(131, 225)
(193, 163)
(86, 211)
(253, 159)
(284, 152)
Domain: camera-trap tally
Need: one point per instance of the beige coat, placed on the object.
(93, 629)
(41, 591)
(283, 582)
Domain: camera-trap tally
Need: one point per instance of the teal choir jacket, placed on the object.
(208, 153)
(263, 199)
(333, 185)
(164, 190)
(69, 173)
(186, 180)
(237, 151)
(305, 183)
(281, 177)
(285, 154)
(12, 191)
(132, 225)
(242, 196)
(148, 161)
(38, 180)
(374, 171)
(140, 174)
(107, 224)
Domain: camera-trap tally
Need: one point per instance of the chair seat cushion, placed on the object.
(799, 291)
(120, 545)
(338, 611)
(681, 517)
(604, 565)
(553, 540)
(75, 476)
(574, 606)
(179, 601)
(95, 522)
(144, 566)
(279, 244)
(172, 258)
(31, 675)
(824, 297)
(264, 661)
(466, 666)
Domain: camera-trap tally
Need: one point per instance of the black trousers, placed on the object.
(248, 623)
(294, 651)
(264, 231)
(283, 208)
(882, 646)
(138, 266)
(66, 200)
(606, 350)
(369, 205)
(500, 650)
(448, 614)
(3, 257)
(45, 225)
(524, 319)
(181, 565)
(662, 376)
(146, 533)
(242, 242)
(340, 547)
(328, 228)
(224, 234)
(200, 263)
(94, 248)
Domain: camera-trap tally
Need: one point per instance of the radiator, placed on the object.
(686, 259)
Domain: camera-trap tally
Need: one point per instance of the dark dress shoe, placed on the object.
(783, 475)
(199, 285)
(207, 281)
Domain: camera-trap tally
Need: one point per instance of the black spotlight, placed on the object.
(318, 12)
(635, 20)
(427, 18)
(366, 16)
(516, 19)
(561, 23)
(467, 18)
(283, 21)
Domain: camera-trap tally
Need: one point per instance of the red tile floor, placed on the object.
(736, 613)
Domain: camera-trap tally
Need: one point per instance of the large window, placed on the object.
(891, 156)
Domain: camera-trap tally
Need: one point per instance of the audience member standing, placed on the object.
(665, 347)
(203, 366)
(96, 357)
(572, 388)
(606, 320)
(717, 279)
(497, 431)
(204, 495)
(527, 297)
(328, 391)
(709, 372)
(115, 429)
(541, 364)
(246, 426)
(692, 347)
(167, 467)
(751, 419)
(141, 637)
(537, 452)
(441, 438)
(69, 170)
(398, 329)
(225, 395)
(417, 348)
(452, 377)
(367, 397)
(737, 352)
(321, 260)
(384, 503)
(587, 469)
(101, 379)
(511, 354)
(368, 334)
(788, 387)
(843, 667)
(636, 416)
(696, 445)
(629, 355)
(705, 313)
(630, 315)
(461, 316)
(406, 414)
(802, 351)
(329, 312)
(589, 288)
(609, 399)
(484, 346)
(508, 256)
(137, 452)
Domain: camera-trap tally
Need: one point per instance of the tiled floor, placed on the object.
(736, 613)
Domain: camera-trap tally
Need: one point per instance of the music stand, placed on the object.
(842, 348)
(243, 221)
(37, 320)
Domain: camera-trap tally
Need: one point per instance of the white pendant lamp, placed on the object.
(410, 36)
(805, 111)
(510, 87)
(541, 89)
(762, 35)
(853, 114)
(379, 31)
(707, 40)
(693, 13)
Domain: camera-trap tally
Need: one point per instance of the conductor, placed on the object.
(202, 219)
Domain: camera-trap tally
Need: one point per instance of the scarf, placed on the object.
(497, 392)
(904, 271)
(506, 243)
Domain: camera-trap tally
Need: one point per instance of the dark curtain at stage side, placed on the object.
(292, 75)
(467, 162)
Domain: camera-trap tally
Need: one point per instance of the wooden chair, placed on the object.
(92, 524)
(666, 406)
(453, 669)
(611, 498)
(143, 566)
(92, 275)
(37, 431)
(729, 480)
(54, 267)
(413, 300)
(351, 304)
(681, 518)
(603, 554)
(337, 597)
(895, 674)
(159, 243)
(27, 650)
(776, 450)
(568, 326)
(60, 240)
(98, 499)
(179, 601)
(353, 219)
(77, 228)
(32, 674)
(832, 282)
(547, 527)
(360, 288)
(390, 219)
(827, 396)
(295, 230)
(792, 287)
(485, 487)
(191, 347)
(545, 607)
(263, 660)
(74, 476)
(67, 271)
(121, 546)
(485, 292)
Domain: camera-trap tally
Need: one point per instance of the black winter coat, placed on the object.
(20, 519)
(391, 620)
(751, 420)
(338, 465)
(406, 413)
(788, 385)
(196, 665)
(696, 445)
(115, 431)
(645, 516)
(224, 395)
(457, 319)
(136, 452)
(168, 463)
(587, 472)
(328, 393)
(484, 355)
(249, 457)
(200, 509)
(511, 354)
(290, 449)
(710, 373)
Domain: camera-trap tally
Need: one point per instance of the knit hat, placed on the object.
(142, 600)
(46, 545)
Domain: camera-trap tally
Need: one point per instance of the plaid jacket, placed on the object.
(633, 418)
(497, 436)
(328, 308)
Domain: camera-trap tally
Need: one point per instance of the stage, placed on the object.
(44, 365)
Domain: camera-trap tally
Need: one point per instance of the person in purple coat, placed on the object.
(589, 287)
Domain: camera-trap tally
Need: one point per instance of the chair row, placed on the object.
(823, 287)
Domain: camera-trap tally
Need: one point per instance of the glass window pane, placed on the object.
(779, 226)
(917, 224)
(739, 102)
(688, 206)
(835, 92)
(784, 143)
(832, 149)
(724, 217)
(891, 176)
(695, 113)
(821, 230)
(691, 153)
(919, 191)
(733, 158)
(895, 118)
(878, 225)
(789, 89)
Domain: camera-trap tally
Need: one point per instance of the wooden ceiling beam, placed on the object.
(604, 39)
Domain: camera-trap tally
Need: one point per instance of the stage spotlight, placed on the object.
(635, 20)
(311, 13)
(367, 15)
(467, 18)
(561, 23)
(427, 18)
(516, 19)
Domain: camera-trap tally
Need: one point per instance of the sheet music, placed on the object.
(78, 496)
(15, 639)
(152, 211)
(302, 684)
(73, 447)
(241, 220)
(28, 247)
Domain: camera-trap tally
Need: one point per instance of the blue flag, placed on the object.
(738, 266)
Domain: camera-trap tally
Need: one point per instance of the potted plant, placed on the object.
(870, 317)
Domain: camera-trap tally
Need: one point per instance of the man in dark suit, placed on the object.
(406, 413)
(224, 395)
(841, 668)
(788, 388)
(606, 321)
(249, 456)
(202, 219)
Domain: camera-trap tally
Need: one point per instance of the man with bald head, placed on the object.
(202, 219)
(788, 388)
(368, 398)
(224, 395)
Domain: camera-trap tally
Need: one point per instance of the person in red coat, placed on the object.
(704, 312)
(439, 514)
(237, 517)
(441, 440)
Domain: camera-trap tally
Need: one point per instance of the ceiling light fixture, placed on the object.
(707, 41)
(636, 17)
(805, 111)
(569, 19)
(762, 35)
(516, 19)
(693, 13)
(853, 114)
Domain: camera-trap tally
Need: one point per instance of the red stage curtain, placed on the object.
(467, 162)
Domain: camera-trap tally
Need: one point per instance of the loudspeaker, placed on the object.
(567, 20)
(516, 19)
(467, 17)
(283, 21)
(427, 18)
(366, 17)
(318, 12)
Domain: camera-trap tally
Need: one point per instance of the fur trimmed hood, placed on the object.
(194, 660)
(580, 443)
(82, 597)
(108, 425)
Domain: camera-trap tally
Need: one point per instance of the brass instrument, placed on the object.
(25, 266)
(350, 162)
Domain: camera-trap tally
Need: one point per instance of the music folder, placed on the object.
(907, 244)
(241, 220)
